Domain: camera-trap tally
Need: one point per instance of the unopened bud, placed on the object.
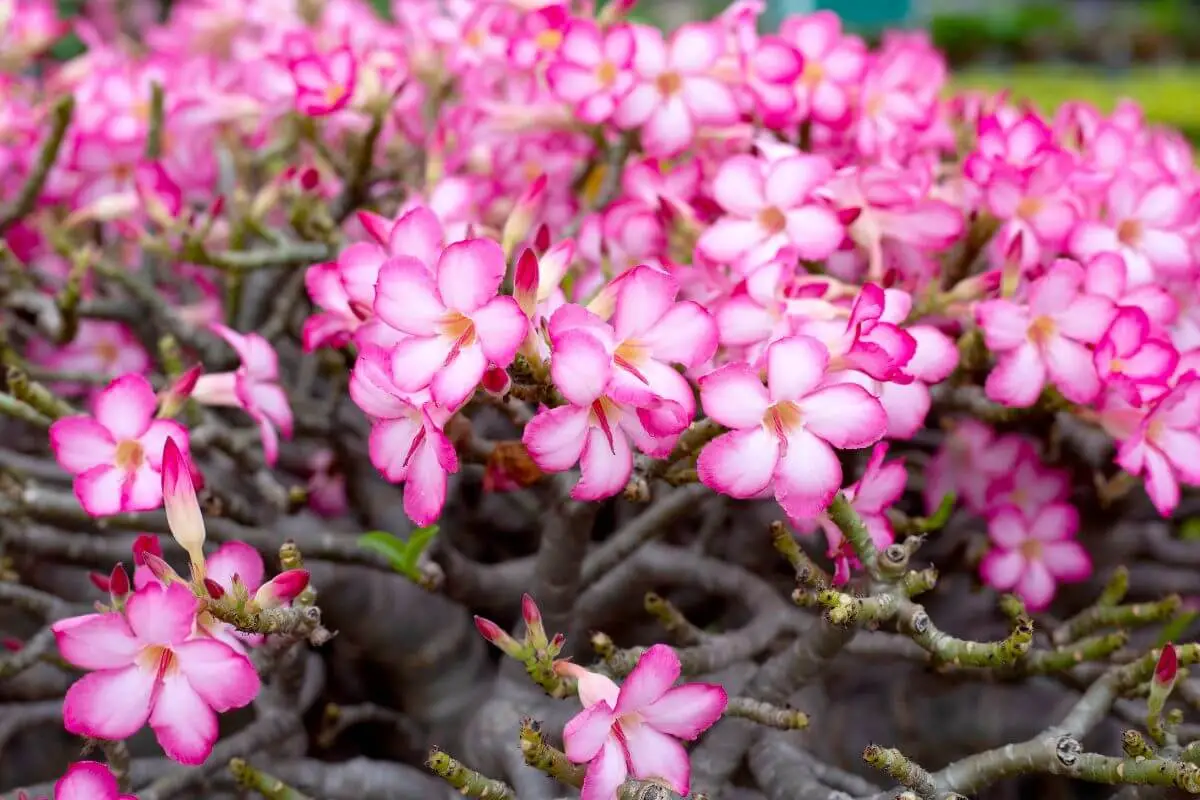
(496, 381)
(145, 543)
(118, 582)
(182, 507)
(976, 287)
(172, 399)
(496, 635)
(99, 581)
(1167, 668)
(282, 589)
(525, 282)
(12, 645)
(214, 589)
(159, 568)
(541, 239)
(527, 207)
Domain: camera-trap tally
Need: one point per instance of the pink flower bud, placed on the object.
(847, 216)
(118, 581)
(489, 630)
(172, 398)
(525, 283)
(1167, 667)
(528, 205)
(160, 568)
(496, 381)
(12, 645)
(541, 239)
(179, 500)
(99, 581)
(529, 611)
(282, 589)
(214, 589)
(145, 543)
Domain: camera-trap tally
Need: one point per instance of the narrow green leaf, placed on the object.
(387, 545)
(417, 541)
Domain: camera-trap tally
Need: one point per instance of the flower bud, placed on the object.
(282, 589)
(496, 381)
(517, 226)
(525, 283)
(118, 582)
(496, 635)
(159, 568)
(145, 543)
(172, 399)
(12, 645)
(529, 611)
(183, 509)
(99, 581)
(1167, 668)
(214, 589)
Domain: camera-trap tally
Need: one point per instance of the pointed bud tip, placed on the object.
(101, 582)
(488, 629)
(529, 610)
(145, 543)
(1168, 665)
(214, 589)
(118, 581)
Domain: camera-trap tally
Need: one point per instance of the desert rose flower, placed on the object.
(145, 666)
(634, 729)
(116, 454)
(87, 780)
(1034, 553)
(592, 70)
(1165, 447)
(784, 433)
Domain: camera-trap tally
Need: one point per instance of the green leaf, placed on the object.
(1189, 531)
(1173, 631)
(402, 555)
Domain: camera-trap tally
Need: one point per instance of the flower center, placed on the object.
(1031, 549)
(158, 659)
(772, 220)
(474, 37)
(107, 352)
(629, 355)
(1029, 206)
(334, 93)
(874, 104)
(459, 327)
(1115, 366)
(782, 419)
(669, 83)
(813, 74)
(549, 39)
(606, 73)
(129, 456)
(1129, 232)
(1042, 329)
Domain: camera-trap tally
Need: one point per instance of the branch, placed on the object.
(31, 189)
(467, 781)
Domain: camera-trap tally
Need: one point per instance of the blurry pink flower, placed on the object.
(1107, 275)
(592, 69)
(899, 95)
(345, 288)
(1003, 141)
(604, 412)
(540, 36)
(406, 443)
(1046, 339)
(144, 666)
(1034, 553)
(253, 387)
(633, 729)
(1037, 204)
(99, 348)
(676, 92)
(770, 66)
(1129, 357)
(116, 454)
(456, 323)
(326, 485)
(785, 433)
(770, 206)
(972, 457)
(88, 780)
(1165, 447)
(1029, 484)
(834, 64)
(324, 81)
(1145, 223)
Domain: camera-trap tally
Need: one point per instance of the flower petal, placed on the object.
(501, 328)
(808, 475)
(81, 443)
(687, 711)
(1018, 378)
(406, 297)
(686, 334)
(739, 464)
(417, 360)
(845, 415)
(223, 678)
(87, 780)
(425, 487)
(469, 273)
(1001, 569)
(1036, 586)
(162, 615)
(580, 367)
(235, 558)
(455, 382)
(605, 467)
(126, 407)
(109, 704)
(655, 755)
(795, 366)
(656, 671)
(605, 773)
(734, 396)
(100, 490)
(555, 437)
(96, 641)
(739, 186)
(586, 732)
(183, 723)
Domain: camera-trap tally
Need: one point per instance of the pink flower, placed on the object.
(456, 324)
(834, 64)
(970, 459)
(784, 433)
(1036, 204)
(99, 347)
(592, 70)
(770, 206)
(608, 407)
(634, 728)
(88, 780)
(676, 92)
(1047, 339)
(1165, 447)
(770, 66)
(1028, 484)
(324, 81)
(1128, 356)
(1144, 222)
(146, 665)
(345, 289)
(116, 454)
(1034, 552)
(253, 387)
(407, 443)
